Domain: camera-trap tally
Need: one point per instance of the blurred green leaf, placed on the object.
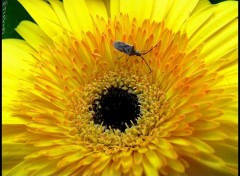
(217, 1)
(12, 14)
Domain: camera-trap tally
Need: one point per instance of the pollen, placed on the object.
(94, 110)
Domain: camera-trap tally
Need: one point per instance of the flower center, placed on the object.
(116, 108)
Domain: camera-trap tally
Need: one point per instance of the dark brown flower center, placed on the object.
(116, 107)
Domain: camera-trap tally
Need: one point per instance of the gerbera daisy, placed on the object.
(74, 105)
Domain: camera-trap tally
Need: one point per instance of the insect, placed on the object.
(131, 51)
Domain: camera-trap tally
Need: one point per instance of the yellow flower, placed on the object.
(75, 105)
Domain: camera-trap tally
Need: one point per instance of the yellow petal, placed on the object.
(202, 4)
(205, 125)
(127, 162)
(226, 151)
(208, 165)
(79, 20)
(114, 8)
(166, 149)
(160, 9)
(179, 141)
(8, 117)
(70, 158)
(137, 158)
(10, 132)
(229, 124)
(179, 12)
(102, 163)
(13, 154)
(43, 14)
(197, 20)
(137, 9)
(176, 165)
(227, 37)
(59, 10)
(200, 145)
(97, 8)
(154, 159)
(223, 15)
(88, 160)
(111, 171)
(226, 63)
(16, 65)
(214, 135)
(137, 170)
(45, 168)
(33, 34)
(61, 150)
(149, 169)
(16, 56)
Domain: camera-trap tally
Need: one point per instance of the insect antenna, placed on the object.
(147, 64)
(142, 53)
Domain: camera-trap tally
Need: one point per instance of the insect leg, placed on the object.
(127, 57)
(147, 64)
(120, 56)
